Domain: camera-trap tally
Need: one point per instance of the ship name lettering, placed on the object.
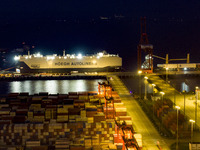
(81, 63)
(74, 63)
(62, 63)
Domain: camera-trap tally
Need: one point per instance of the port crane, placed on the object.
(146, 48)
(1, 71)
(124, 132)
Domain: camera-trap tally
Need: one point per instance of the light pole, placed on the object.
(145, 82)
(174, 86)
(184, 102)
(196, 95)
(177, 107)
(192, 121)
(153, 86)
(167, 75)
(140, 72)
(162, 93)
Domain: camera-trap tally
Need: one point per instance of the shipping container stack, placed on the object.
(61, 121)
(168, 115)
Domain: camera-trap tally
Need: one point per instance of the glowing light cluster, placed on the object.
(162, 93)
(72, 56)
(177, 107)
(192, 121)
(79, 56)
(139, 71)
(50, 57)
(99, 55)
(16, 58)
(37, 55)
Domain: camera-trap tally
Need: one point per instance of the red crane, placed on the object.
(146, 48)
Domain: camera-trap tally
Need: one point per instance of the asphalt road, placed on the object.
(141, 123)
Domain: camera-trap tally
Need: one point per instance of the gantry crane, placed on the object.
(145, 47)
(105, 90)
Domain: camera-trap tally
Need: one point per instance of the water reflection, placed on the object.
(187, 83)
(51, 86)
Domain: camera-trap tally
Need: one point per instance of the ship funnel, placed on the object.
(64, 52)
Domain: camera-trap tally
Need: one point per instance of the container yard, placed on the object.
(74, 121)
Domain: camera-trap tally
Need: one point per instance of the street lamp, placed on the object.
(167, 75)
(177, 107)
(162, 93)
(153, 86)
(192, 121)
(196, 95)
(184, 91)
(145, 82)
(140, 72)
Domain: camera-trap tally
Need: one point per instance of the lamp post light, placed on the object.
(167, 75)
(153, 86)
(174, 86)
(145, 82)
(196, 95)
(192, 121)
(162, 93)
(140, 72)
(177, 107)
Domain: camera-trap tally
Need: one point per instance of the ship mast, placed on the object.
(64, 52)
(28, 53)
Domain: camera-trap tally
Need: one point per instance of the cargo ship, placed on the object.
(37, 63)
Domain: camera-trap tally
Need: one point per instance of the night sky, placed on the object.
(90, 26)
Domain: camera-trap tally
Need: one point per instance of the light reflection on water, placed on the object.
(185, 83)
(50, 86)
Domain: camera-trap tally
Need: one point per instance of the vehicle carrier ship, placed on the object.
(100, 62)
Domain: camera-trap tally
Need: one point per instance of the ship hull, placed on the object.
(101, 62)
(27, 69)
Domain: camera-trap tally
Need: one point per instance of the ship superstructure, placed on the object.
(99, 62)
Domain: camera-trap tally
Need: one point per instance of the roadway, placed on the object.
(140, 120)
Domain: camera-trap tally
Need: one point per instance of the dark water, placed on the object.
(51, 86)
(180, 83)
(65, 86)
